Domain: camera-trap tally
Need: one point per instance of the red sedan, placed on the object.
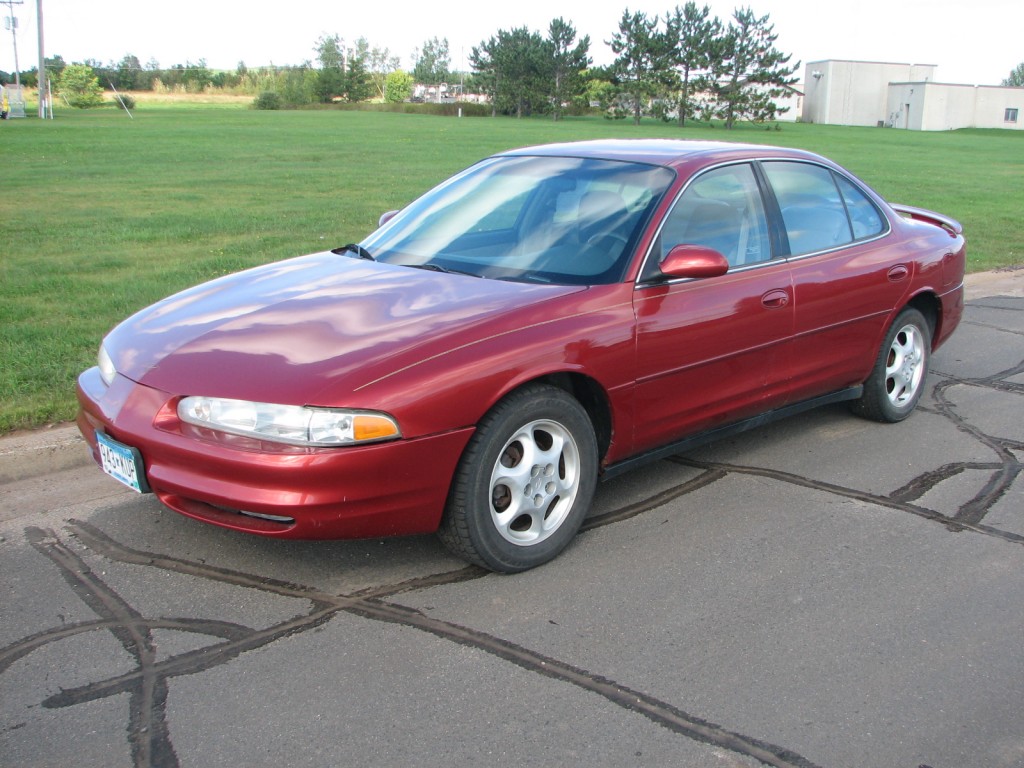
(547, 317)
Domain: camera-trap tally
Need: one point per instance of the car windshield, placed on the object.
(532, 219)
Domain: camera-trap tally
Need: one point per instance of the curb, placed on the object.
(1008, 281)
(59, 447)
(24, 455)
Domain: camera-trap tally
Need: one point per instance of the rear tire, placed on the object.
(897, 381)
(525, 482)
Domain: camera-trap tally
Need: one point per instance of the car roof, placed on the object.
(667, 152)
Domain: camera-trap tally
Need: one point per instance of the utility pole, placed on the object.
(13, 22)
(43, 86)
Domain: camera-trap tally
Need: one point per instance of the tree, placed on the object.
(196, 77)
(567, 63)
(521, 56)
(694, 37)
(1016, 78)
(516, 67)
(379, 63)
(432, 62)
(330, 52)
(296, 85)
(105, 74)
(599, 88)
(398, 86)
(748, 73)
(331, 78)
(357, 85)
(79, 85)
(487, 77)
(643, 59)
(55, 65)
(129, 73)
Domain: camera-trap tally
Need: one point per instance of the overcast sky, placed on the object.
(971, 41)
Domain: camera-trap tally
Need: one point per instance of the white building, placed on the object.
(945, 106)
(903, 96)
(793, 102)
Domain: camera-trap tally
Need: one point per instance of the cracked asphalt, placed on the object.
(824, 591)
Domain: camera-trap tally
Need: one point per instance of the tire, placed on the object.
(898, 379)
(524, 483)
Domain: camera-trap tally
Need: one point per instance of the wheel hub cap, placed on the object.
(534, 482)
(904, 368)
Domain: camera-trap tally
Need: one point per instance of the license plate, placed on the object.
(122, 463)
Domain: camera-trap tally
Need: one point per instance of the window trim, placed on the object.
(778, 240)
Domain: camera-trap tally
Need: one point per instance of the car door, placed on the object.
(712, 351)
(846, 277)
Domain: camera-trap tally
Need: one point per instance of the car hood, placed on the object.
(289, 331)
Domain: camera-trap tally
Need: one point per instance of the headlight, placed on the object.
(292, 424)
(107, 370)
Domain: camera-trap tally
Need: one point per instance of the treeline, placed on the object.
(687, 64)
(130, 75)
(684, 65)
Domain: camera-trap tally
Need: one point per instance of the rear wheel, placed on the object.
(897, 381)
(525, 482)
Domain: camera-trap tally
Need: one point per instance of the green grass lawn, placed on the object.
(101, 214)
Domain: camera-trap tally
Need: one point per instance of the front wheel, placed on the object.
(897, 381)
(525, 482)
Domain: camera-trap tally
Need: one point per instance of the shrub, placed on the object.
(445, 109)
(79, 85)
(267, 100)
(398, 86)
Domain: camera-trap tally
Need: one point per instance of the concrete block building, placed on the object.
(903, 96)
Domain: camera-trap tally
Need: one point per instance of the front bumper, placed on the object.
(385, 489)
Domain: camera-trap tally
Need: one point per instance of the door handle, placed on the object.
(897, 273)
(775, 299)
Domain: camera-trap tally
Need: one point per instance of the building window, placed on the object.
(1011, 115)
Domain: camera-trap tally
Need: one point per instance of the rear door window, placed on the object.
(813, 209)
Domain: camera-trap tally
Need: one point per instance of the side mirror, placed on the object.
(385, 218)
(693, 261)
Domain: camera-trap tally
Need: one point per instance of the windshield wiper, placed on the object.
(355, 248)
(439, 268)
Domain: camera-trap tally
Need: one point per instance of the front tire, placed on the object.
(897, 381)
(525, 482)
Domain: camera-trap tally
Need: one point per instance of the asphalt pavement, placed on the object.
(823, 591)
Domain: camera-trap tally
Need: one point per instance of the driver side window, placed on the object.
(722, 210)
